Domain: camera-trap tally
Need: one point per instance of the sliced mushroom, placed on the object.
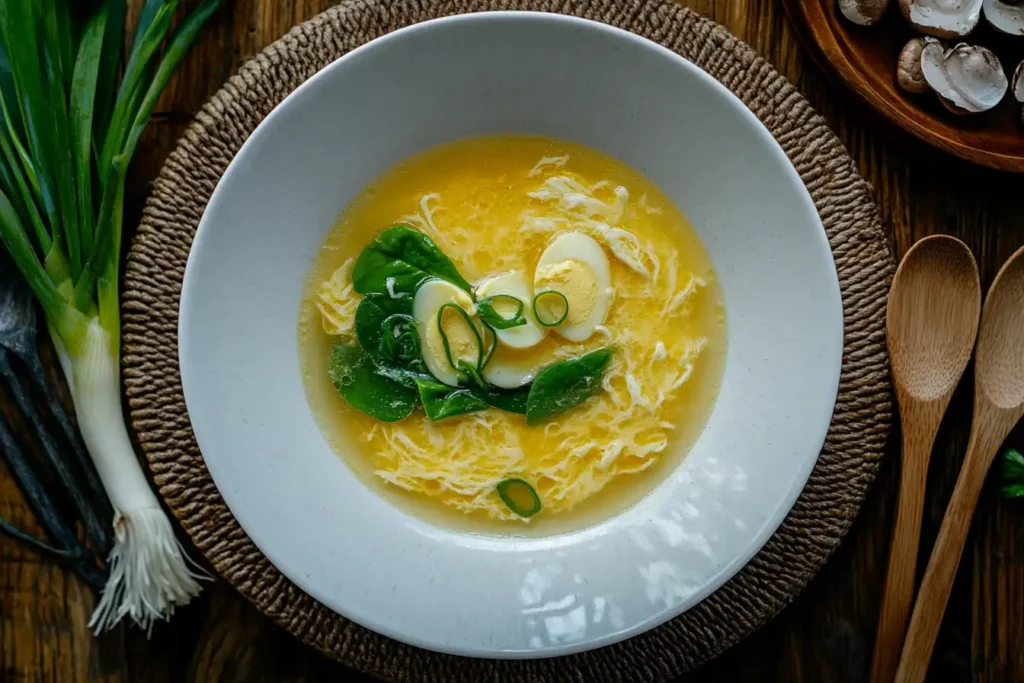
(863, 12)
(908, 69)
(1005, 16)
(943, 18)
(967, 78)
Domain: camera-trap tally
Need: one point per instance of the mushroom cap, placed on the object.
(908, 68)
(943, 18)
(967, 78)
(863, 12)
(1004, 16)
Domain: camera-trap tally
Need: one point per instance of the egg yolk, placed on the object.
(461, 341)
(576, 281)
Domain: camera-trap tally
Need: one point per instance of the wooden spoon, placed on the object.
(998, 405)
(931, 324)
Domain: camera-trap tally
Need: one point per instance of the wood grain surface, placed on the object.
(864, 59)
(825, 636)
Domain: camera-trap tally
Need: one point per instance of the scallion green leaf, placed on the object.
(83, 97)
(176, 51)
(20, 162)
(134, 85)
(18, 185)
(110, 61)
(21, 27)
(61, 162)
(69, 324)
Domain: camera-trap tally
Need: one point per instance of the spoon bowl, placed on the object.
(1000, 367)
(932, 317)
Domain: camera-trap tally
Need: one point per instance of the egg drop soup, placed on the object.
(512, 334)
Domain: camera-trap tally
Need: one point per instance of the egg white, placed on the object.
(576, 251)
(515, 284)
(430, 297)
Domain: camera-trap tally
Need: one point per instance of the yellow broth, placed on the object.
(473, 198)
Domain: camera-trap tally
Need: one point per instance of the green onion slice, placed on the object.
(472, 375)
(519, 496)
(495, 319)
(400, 339)
(444, 335)
(490, 349)
(551, 322)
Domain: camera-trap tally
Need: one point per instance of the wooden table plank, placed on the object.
(824, 637)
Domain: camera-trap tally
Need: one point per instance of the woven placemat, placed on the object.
(810, 533)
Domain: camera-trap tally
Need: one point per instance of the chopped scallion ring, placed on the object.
(495, 319)
(444, 335)
(401, 340)
(472, 374)
(519, 496)
(557, 320)
(493, 347)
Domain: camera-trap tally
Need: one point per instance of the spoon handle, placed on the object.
(898, 597)
(986, 438)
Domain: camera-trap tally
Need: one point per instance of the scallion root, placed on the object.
(149, 572)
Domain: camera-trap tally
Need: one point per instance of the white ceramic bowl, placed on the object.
(487, 595)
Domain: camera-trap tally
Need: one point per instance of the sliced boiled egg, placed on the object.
(511, 368)
(462, 342)
(516, 285)
(574, 265)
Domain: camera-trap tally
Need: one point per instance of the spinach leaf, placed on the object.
(441, 401)
(388, 335)
(354, 376)
(371, 315)
(406, 376)
(565, 385)
(509, 400)
(406, 257)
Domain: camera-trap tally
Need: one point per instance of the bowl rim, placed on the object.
(731, 567)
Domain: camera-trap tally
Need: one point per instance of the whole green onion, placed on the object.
(67, 135)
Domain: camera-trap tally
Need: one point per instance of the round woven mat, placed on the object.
(794, 554)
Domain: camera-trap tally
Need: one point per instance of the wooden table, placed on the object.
(824, 637)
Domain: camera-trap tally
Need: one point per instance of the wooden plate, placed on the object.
(864, 58)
